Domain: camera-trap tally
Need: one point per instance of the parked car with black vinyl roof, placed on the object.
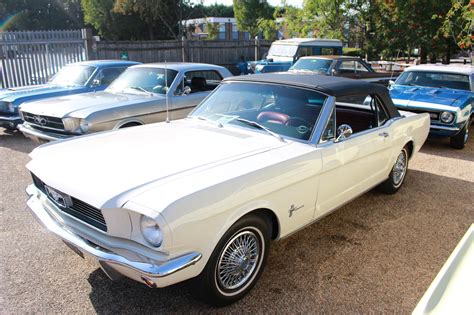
(202, 198)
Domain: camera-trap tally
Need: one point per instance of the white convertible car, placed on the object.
(203, 197)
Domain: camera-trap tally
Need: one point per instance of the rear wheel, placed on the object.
(236, 263)
(398, 173)
(459, 141)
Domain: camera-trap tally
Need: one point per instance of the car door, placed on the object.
(357, 163)
(201, 84)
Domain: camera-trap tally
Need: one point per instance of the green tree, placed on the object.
(293, 20)
(248, 12)
(458, 23)
(161, 16)
(213, 10)
(110, 25)
(268, 28)
(327, 18)
(41, 14)
(212, 30)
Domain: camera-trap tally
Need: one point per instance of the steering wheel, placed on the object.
(302, 126)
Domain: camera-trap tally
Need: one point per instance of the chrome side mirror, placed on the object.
(186, 91)
(95, 82)
(333, 71)
(391, 82)
(343, 131)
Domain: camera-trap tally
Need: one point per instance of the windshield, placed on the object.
(316, 65)
(282, 50)
(434, 79)
(286, 111)
(73, 75)
(143, 80)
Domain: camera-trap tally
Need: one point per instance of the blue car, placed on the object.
(80, 77)
(445, 92)
(284, 53)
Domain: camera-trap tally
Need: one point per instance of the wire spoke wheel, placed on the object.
(400, 168)
(239, 260)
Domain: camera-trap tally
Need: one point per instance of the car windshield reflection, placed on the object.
(73, 75)
(285, 111)
(143, 80)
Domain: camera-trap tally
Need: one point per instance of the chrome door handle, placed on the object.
(384, 134)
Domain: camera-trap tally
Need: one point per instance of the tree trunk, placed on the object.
(423, 55)
(447, 59)
(151, 32)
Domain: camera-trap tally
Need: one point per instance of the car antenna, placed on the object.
(166, 94)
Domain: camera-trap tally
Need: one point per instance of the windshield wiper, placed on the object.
(139, 88)
(218, 124)
(257, 125)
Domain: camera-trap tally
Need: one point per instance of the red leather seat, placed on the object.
(273, 117)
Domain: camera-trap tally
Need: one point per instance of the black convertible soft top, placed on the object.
(334, 86)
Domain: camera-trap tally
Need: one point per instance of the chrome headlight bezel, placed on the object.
(151, 231)
(7, 107)
(76, 125)
(446, 117)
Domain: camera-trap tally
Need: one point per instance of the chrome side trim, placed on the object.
(151, 270)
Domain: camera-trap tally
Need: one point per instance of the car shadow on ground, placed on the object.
(15, 140)
(379, 252)
(441, 147)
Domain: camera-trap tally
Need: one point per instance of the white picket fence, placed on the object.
(32, 57)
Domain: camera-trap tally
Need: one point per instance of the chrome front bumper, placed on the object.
(112, 264)
(39, 135)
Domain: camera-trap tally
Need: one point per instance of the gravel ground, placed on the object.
(379, 253)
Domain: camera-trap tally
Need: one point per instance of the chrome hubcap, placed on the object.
(238, 260)
(466, 135)
(400, 168)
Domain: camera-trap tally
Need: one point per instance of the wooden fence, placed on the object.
(225, 53)
(32, 57)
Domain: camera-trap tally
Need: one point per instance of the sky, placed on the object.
(298, 3)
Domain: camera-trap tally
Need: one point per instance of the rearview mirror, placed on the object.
(391, 82)
(343, 131)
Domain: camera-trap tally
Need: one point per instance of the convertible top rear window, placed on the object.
(287, 111)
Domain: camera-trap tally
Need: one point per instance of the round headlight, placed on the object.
(71, 124)
(84, 125)
(151, 231)
(446, 117)
(11, 108)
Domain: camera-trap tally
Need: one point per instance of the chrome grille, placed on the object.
(41, 121)
(78, 209)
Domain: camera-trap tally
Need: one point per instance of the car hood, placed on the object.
(418, 96)
(33, 91)
(98, 168)
(74, 105)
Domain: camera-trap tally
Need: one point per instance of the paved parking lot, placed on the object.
(378, 253)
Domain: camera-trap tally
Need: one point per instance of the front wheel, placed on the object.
(459, 141)
(236, 263)
(397, 175)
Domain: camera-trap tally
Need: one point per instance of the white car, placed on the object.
(260, 158)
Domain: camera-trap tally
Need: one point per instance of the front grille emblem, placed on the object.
(60, 199)
(39, 120)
